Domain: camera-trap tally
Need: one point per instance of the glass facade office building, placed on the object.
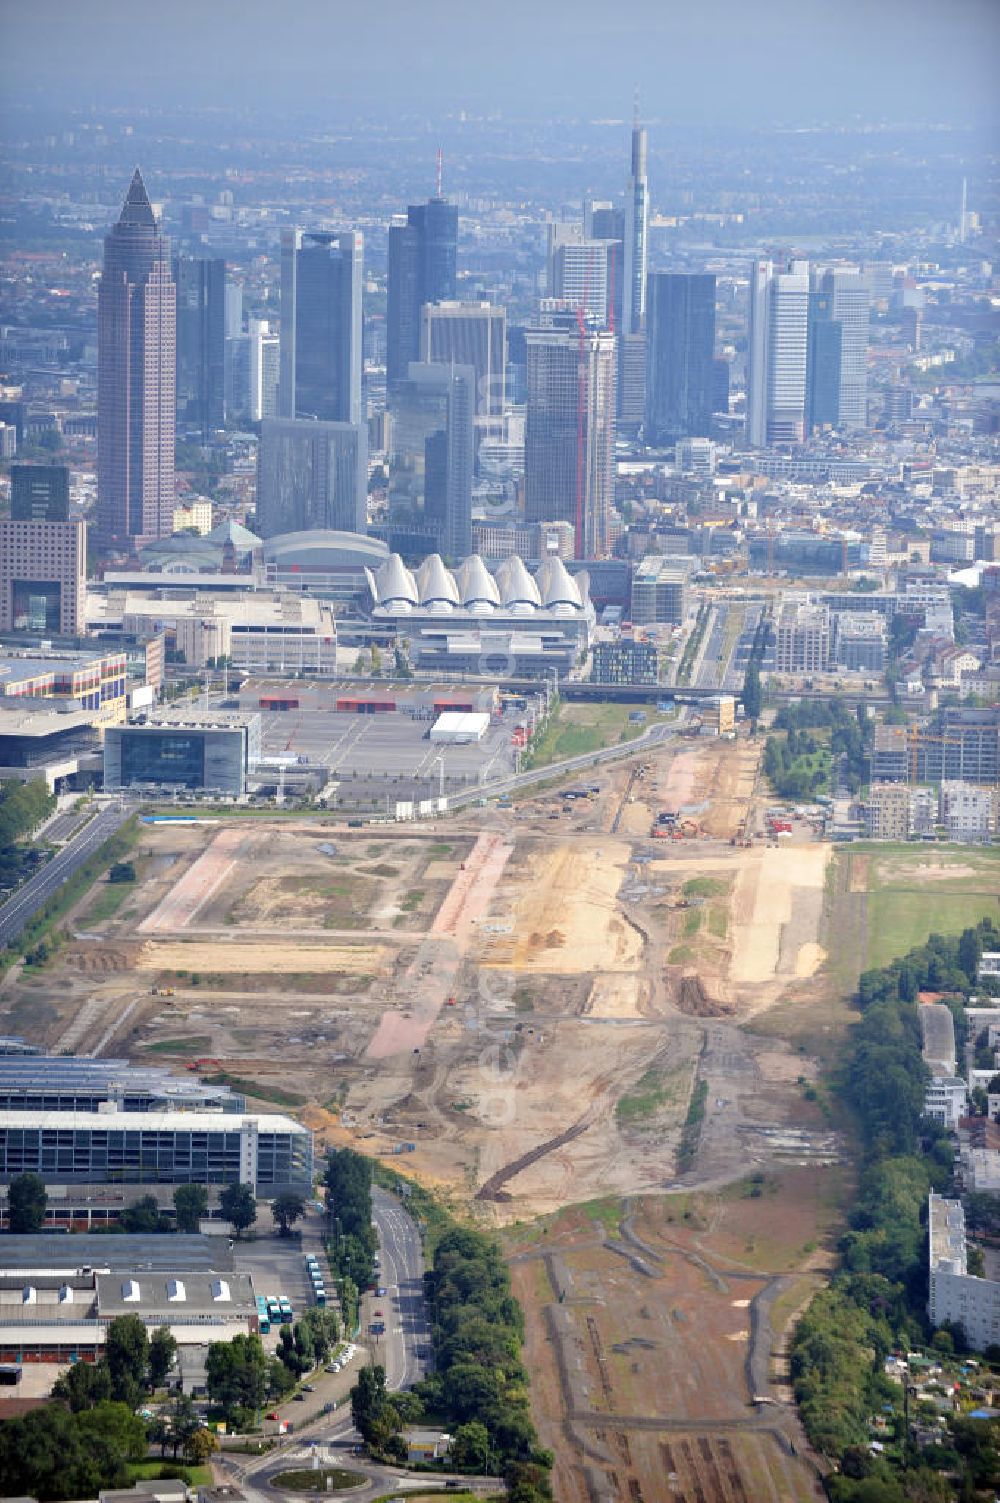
(271, 1153)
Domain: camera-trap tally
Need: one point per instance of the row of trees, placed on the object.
(354, 1241)
(876, 1301)
(23, 806)
(479, 1380)
(28, 1199)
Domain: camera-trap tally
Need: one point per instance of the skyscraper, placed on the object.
(321, 325)
(264, 366)
(201, 343)
(311, 475)
(636, 230)
(433, 449)
(680, 351)
(39, 493)
(837, 385)
(580, 276)
(136, 416)
(569, 433)
(469, 334)
(423, 255)
(777, 354)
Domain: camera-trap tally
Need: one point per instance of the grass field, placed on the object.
(576, 729)
(918, 890)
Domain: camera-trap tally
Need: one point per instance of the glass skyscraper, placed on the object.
(201, 343)
(680, 352)
(320, 374)
(423, 256)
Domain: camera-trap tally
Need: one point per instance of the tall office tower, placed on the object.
(602, 221)
(777, 345)
(569, 432)
(201, 343)
(680, 356)
(321, 275)
(432, 455)
(136, 415)
(311, 476)
(234, 309)
(636, 231)
(423, 256)
(580, 276)
(39, 493)
(469, 334)
(264, 354)
(837, 384)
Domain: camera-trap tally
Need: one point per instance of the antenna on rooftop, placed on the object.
(440, 170)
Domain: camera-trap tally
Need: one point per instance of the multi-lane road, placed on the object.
(404, 1309)
(19, 910)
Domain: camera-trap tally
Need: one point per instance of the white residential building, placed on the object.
(968, 811)
(954, 1294)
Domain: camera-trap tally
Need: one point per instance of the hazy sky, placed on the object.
(693, 60)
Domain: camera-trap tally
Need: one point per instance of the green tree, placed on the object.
(162, 1350)
(191, 1205)
(970, 953)
(237, 1374)
(83, 1385)
(239, 1206)
(752, 696)
(122, 871)
(374, 1417)
(126, 1351)
(26, 1201)
(286, 1210)
(201, 1446)
(143, 1217)
(471, 1446)
(181, 1420)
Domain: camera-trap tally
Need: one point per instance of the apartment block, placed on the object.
(954, 1294)
(803, 638)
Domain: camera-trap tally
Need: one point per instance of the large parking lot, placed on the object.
(277, 1266)
(389, 750)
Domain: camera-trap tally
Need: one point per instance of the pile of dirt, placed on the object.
(688, 994)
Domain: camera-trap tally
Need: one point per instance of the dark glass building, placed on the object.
(433, 451)
(201, 343)
(680, 351)
(39, 493)
(423, 256)
(136, 317)
(320, 352)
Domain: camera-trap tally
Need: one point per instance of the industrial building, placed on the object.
(259, 630)
(173, 1147)
(176, 749)
(72, 1083)
(59, 1294)
(955, 1295)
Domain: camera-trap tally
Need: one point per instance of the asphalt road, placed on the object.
(653, 737)
(19, 910)
(403, 1307)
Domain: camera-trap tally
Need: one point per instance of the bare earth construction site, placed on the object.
(522, 1008)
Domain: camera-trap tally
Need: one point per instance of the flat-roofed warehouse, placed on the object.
(456, 728)
(64, 1317)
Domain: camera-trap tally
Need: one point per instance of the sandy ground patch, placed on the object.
(809, 959)
(682, 779)
(933, 871)
(197, 885)
(765, 902)
(254, 959)
(615, 996)
(566, 917)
